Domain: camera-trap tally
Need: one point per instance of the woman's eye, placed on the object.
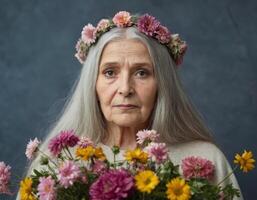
(109, 73)
(141, 73)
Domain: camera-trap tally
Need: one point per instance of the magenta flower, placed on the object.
(5, 176)
(122, 19)
(112, 185)
(88, 34)
(197, 167)
(158, 152)
(68, 173)
(46, 188)
(32, 148)
(64, 139)
(84, 142)
(148, 24)
(163, 34)
(147, 136)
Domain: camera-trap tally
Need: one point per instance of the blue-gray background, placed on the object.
(37, 67)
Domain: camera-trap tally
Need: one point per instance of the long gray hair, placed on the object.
(174, 116)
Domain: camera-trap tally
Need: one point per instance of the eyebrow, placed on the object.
(134, 64)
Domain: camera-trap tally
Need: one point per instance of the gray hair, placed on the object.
(174, 116)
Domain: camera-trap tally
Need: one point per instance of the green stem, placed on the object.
(48, 157)
(228, 175)
(69, 153)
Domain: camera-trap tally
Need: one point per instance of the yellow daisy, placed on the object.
(26, 189)
(85, 153)
(136, 155)
(178, 189)
(146, 181)
(245, 161)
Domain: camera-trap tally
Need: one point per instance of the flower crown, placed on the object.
(146, 24)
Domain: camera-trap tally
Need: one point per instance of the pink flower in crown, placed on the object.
(102, 24)
(64, 139)
(122, 19)
(5, 176)
(88, 34)
(81, 51)
(32, 148)
(114, 184)
(46, 188)
(147, 136)
(84, 142)
(158, 152)
(197, 167)
(68, 173)
(163, 34)
(148, 24)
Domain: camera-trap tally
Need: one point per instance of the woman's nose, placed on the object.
(125, 86)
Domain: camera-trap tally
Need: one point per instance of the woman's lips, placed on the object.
(125, 106)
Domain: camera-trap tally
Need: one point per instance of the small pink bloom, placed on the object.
(147, 136)
(84, 142)
(197, 167)
(5, 176)
(68, 173)
(88, 34)
(46, 189)
(64, 139)
(102, 24)
(157, 151)
(32, 148)
(122, 19)
(99, 167)
(163, 34)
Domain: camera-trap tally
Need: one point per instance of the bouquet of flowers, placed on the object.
(78, 169)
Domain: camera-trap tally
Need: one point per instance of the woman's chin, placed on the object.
(127, 121)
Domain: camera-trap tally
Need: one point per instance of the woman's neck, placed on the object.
(124, 137)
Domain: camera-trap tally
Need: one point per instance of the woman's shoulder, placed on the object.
(203, 149)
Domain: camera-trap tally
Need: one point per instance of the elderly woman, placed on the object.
(128, 83)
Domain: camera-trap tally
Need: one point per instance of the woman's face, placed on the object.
(126, 85)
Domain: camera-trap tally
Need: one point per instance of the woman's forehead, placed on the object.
(134, 50)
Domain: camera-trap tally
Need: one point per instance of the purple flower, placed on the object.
(163, 34)
(84, 142)
(46, 189)
(64, 139)
(5, 175)
(148, 24)
(68, 174)
(112, 185)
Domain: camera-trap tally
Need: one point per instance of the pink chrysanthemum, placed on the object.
(197, 167)
(158, 152)
(32, 148)
(102, 24)
(46, 189)
(88, 34)
(122, 19)
(163, 34)
(147, 135)
(64, 139)
(148, 24)
(5, 176)
(114, 184)
(84, 142)
(68, 173)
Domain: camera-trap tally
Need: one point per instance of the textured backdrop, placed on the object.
(38, 69)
